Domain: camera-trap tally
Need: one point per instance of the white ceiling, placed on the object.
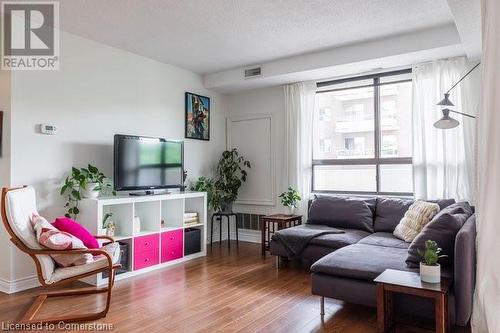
(214, 35)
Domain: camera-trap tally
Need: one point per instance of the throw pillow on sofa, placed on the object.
(442, 229)
(388, 213)
(49, 237)
(416, 217)
(342, 212)
(76, 229)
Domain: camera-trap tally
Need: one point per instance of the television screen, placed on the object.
(147, 163)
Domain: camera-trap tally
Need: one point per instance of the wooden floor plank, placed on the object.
(228, 291)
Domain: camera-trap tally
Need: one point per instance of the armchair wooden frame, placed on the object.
(29, 316)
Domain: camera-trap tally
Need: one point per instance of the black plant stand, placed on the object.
(218, 217)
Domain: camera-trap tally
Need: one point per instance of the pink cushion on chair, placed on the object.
(76, 229)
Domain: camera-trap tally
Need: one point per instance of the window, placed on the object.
(362, 135)
(325, 145)
(325, 114)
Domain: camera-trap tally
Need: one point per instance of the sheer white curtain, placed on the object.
(299, 109)
(442, 166)
(486, 310)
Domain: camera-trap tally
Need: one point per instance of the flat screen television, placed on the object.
(143, 163)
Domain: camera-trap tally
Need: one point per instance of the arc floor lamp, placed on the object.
(446, 121)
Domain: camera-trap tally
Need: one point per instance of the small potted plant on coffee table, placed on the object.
(430, 270)
(290, 198)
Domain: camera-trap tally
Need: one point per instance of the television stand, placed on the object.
(153, 227)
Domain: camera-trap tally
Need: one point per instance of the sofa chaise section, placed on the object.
(320, 246)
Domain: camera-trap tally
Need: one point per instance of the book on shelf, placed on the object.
(193, 220)
(189, 215)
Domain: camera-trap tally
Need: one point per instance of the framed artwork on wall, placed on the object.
(197, 117)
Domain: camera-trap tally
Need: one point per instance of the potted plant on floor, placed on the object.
(430, 270)
(84, 183)
(290, 198)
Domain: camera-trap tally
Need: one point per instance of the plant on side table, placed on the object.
(430, 270)
(290, 198)
(84, 183)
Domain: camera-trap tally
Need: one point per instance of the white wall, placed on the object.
(5, 247)
(99, 91)
(264, 101)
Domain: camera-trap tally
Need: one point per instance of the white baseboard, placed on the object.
(10, 287)
(245, 235)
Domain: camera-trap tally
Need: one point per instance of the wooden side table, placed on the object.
(271, 223)
(393, 281)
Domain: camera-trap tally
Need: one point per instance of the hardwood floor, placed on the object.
(228, 291)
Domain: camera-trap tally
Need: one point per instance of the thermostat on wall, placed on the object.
(48, 129)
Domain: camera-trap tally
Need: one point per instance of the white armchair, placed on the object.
(18, 205)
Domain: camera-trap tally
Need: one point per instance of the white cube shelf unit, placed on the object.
(158, 240)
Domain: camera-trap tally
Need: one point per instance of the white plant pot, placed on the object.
(89, 192)
(137, 224)
(430, 274)
(291, 210)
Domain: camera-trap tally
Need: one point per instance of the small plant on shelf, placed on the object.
(290, 198)
(84, 183)
(108, 224)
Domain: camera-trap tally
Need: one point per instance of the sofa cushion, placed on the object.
(443, 203)
(442, 229)
(342, 212)
(386, 239)
(388, 213)
(361, 261)
(336, 241)
(416, 217)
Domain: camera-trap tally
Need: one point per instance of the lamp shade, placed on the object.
(446, 121)
(445, 101)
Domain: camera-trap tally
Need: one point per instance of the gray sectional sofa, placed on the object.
(345, 264)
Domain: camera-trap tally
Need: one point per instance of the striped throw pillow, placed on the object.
(50, 237)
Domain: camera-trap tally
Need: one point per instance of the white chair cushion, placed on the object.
(21, 205)
(100, 261)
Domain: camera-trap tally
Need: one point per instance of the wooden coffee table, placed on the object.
(393, 281)
(271, 223)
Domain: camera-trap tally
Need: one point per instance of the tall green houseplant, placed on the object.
(231, 173)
